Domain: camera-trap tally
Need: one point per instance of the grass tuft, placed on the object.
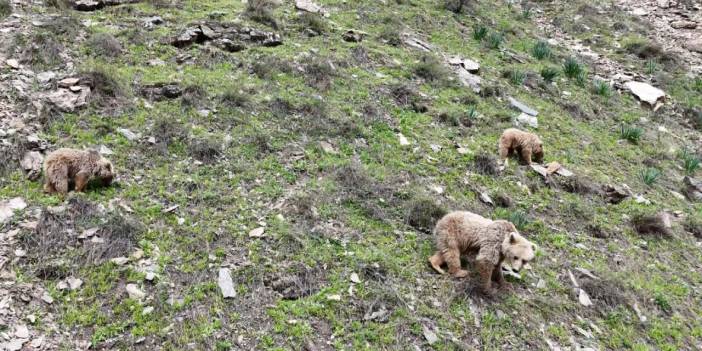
(5, 8)
(650, 175)
(602, 88)
(104, 45)
(480, 32)
(494, 40)
(549, 74)
(572, 68)
(261, 11)
(432, 70)
(541, 50)
(630, 133)
(691, 162)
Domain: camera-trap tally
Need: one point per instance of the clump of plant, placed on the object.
(494, 40)
(549, 74)
(602, 88)
(572, 68)
(691, 162)
(432, 70)
(5, 8)
(650, 175)
(630, 133)
(313, 22)
(480, 32)
(261, 11)
(541, 50)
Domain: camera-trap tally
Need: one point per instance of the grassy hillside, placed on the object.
(216, 135)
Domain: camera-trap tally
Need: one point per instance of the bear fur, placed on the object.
(527, 145)
(463, 232)
(64, 167)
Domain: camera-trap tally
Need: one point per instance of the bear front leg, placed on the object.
(48, 187)
(499, 278)
(81, 181)
(452, 257)
(485, 270)
(526, 155)
(504, 156)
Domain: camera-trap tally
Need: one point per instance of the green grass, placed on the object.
(549, 74)
(691, 162)
(541, 50)
(630, 133)
(572, 68)
(284, 125)
(602, 88)
(649, 176)
(5, 8)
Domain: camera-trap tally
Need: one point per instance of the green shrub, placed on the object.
(651, 66)
(650, 175)
(480, 32)
(516, 77)
(494, 40)
(572, 68)
(602, 88)
(549, 74)
(691, 162)
(541, 50)
(631, 133)
(5, 8)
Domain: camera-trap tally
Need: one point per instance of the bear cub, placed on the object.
(66, 167)
(527, 145)
(463, 232)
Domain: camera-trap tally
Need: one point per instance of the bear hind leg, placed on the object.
(453, 260)
(437, 261)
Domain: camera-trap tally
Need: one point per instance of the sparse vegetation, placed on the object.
(5, 8)
(262, 11)
(432, 70)
(515, 77)
(549, 74)
(650, 175)
(651, 66)
(691, 162)
(650, 226)
(104, 45)
(572, 68)
(517, 217)
(313, 22)
(541, 50)
(480, 32)
(494, 40)
(602, 88)
(457, 6)
(630, 133)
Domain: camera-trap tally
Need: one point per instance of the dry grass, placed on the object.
(261, 11)
(104, 45)
(486, 164)
(650, 226)
(423, 214)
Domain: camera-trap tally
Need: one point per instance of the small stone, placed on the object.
(467, 64)
(37, 342)
(62, 285)
(45, 77)
(150, 276)
(47, 298)
(20, 253)
(257, 233)
(403, 140)
(88, 233)
(484, 197)
(437, 189)
(226, 285)
(68, 82)
(147, 311)
(683, 24)
(137, 254)
(180, 220)
(334, 297)
(120, 261)
(354, 278)
(541, 284)
(430, 335)
(583, 298)
(74, 283)
(328, 147)
(21, 331)
(31, 164)
(32, 318)
(104, 150)
(134, 292)
(353, 36)
(131, 136)
(694, 45)
(527, 120)
(13, 63)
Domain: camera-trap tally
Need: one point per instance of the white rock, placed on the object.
(226, 285)
(583, 298)
(13, 345)
(257, 233)
(45, 77)
(640, 199)
(645, 92)
(469, 80)
(88, 233)
(522, 107)
(403, 139)
(467, 64)
(134, 292)
(147, 310)
(437, 189)
(37, 342)
(120, 261)
(541, 284)
(354, 278)
(430, 335)
(74, 283)
(150, 276)
(47, 298)
(484, 197)
(131, 136)
(309, 6)
(526, 120)
(328, 147)
(334, 297)
(20, 253)
(13, 63)
(21, 331)
(8, 208)
(104, 150)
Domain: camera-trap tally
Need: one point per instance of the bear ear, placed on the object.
(512, 238)
(94, 152)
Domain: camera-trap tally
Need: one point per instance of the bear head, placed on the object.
(517, 250)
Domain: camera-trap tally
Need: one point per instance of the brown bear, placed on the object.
(70, 166)
(527, 145)
(461, 232)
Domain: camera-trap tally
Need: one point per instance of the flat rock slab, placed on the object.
(226, 285)
(645, 92)
(522, 107)
(467, 64)
(527, 120)
(227, 36)
(309, 6)
(31, 164)
(8, 208)
(470, 80)
(693, 188)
